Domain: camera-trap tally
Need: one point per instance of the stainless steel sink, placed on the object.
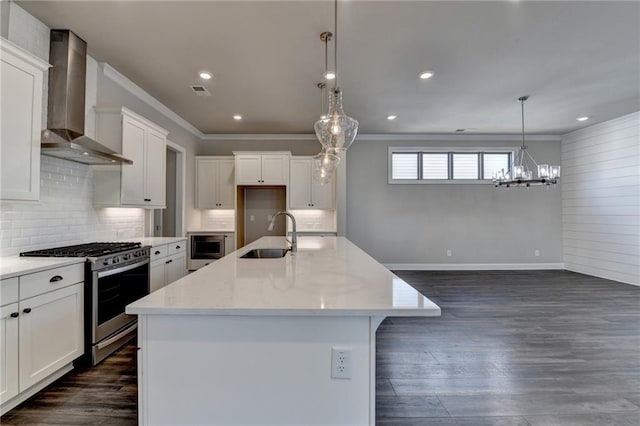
(265, 253)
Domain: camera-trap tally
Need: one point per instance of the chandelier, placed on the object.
(520, 173)
(336, 131)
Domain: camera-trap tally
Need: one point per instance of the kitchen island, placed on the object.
(257, 341)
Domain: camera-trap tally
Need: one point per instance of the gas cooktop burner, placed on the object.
(82, 250)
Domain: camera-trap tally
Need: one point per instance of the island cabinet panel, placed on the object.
(253, 370)
(262, 168)
(305, 192)
(215, 182)
(21, 87)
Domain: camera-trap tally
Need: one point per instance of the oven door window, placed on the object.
(207, 248)
(118, 290)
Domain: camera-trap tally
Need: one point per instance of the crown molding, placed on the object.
(257, 137)
(399, 137)
(121, 80)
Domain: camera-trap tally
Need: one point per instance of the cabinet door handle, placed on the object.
(157, 252)
(178, 247)
(26, 310)
(147, 199)
(55, 278)
(14, 314)
(169, 261)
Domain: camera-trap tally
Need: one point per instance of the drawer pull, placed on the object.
(14, 314)
(56, 278)
(169, 261)
(178, 247)
(157, 252)
(26, 310)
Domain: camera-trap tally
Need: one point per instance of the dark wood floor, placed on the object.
(511, 348)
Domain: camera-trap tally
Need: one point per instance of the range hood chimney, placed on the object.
(64, 136)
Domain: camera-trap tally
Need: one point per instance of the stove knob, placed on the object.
(126, 257)
(105, 262)
(115, 259)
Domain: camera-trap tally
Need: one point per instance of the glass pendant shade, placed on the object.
(324, 165)
(336, 131)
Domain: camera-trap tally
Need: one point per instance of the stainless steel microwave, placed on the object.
(204, 248)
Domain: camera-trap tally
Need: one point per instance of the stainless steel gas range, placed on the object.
(116, 274)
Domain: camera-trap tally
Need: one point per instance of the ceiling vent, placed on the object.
(200, 90)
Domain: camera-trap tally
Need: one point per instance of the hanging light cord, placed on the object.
(335, 42)
(523, 149)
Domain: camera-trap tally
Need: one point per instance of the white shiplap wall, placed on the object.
(601, 199)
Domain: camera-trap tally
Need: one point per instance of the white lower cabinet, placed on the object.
(8, 352)
(168, 264)
(41, 330)
(50, 333)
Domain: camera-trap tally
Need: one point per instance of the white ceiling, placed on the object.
(573, 59)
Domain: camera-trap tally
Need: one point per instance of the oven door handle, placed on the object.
(119, 270)
(117, 337)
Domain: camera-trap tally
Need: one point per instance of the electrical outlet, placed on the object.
(252, 218)
(536, 253)
(449, 252)
(340, 363)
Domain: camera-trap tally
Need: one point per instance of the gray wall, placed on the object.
(416, 224)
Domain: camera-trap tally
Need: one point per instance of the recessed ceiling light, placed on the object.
(205, 75)
(585, 118)
(424, 75)
(391, 117)
(237, 117)
(85, 153)
(330, 75)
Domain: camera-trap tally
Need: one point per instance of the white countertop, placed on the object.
(156, 241)
(13, 266)
(328, 276)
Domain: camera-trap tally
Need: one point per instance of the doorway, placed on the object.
(169, 222)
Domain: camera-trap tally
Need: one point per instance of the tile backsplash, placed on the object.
(218, 219)
(315, 220)
(65, 214)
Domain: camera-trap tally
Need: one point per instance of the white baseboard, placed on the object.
(471, 266)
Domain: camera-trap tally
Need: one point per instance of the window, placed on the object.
(435, 166)
(465, 166)
(404, 166)
(494, 163)
(442, 165)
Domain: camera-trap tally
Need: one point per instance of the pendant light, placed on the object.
(326, 161)
(520, 174)
(336, 131)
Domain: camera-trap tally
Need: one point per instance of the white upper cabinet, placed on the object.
(215, 182)
(21, 88)
(143, 183)
(262, 168)
(304, 191)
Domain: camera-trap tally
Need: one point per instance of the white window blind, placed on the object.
(465, 166)
(435, 166)
(495, 162)
(404, 166)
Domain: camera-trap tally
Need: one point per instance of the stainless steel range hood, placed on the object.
(64, 136)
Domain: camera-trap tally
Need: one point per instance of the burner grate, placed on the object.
(82, 250)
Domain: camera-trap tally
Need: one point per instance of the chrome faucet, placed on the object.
(294, 234)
